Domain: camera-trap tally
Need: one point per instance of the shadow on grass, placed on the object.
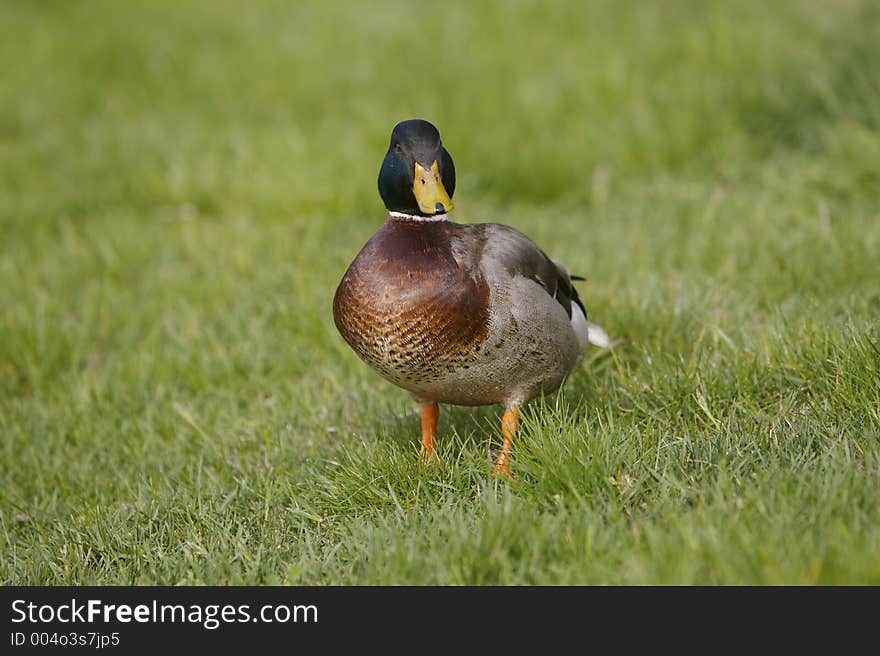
(471, 426)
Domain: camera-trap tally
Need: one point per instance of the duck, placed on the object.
(454, 313)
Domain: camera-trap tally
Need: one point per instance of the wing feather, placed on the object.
(519, 255)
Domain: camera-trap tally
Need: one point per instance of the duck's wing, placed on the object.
(505, 250)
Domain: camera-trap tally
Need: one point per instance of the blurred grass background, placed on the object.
(182, 185)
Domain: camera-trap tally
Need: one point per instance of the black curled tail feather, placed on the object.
(566, 294)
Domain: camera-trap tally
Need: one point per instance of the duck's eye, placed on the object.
(423, 181)
(398, 149)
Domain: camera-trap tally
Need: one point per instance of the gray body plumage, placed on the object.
(535, 334)
(532, 344)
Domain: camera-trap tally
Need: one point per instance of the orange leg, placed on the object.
(509, 422)
(430, 415)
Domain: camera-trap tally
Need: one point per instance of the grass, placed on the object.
(183, 185)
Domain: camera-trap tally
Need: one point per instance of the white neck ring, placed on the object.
(418, 218)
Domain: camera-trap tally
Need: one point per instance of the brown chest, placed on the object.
(410, 309)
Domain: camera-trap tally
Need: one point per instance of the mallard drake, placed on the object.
(466, 314)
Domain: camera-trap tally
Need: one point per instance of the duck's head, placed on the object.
(417, 174)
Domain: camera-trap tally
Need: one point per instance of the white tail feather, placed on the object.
(581, 327)
(598, 337)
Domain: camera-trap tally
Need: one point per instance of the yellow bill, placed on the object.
(429, 190)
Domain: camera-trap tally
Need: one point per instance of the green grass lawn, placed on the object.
(182, 186)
